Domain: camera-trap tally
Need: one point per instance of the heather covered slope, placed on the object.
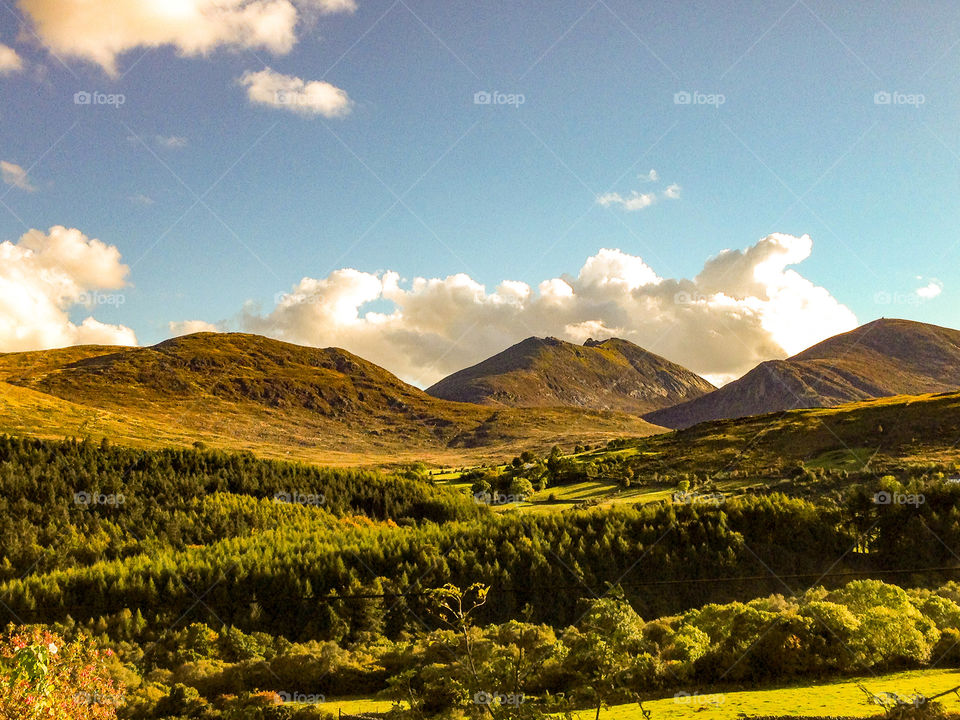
(879, 359)
(610, 374)
(275, 398)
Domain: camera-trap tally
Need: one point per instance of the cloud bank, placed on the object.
(745, 306)
(103, 30)
(43, 276)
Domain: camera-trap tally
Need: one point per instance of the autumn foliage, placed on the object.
(42, 677)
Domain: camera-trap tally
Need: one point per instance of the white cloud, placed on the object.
(188, 327)
(744, 307)
(172, 142)
(102, 30)
(287, 92)
(930, 290)
(43, 276)
(16, 176)
(632, 202)
(141, 199)
(637, 200)
(10, 61)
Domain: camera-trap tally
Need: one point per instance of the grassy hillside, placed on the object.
(810, 452)
(877, 434)
(276, 399)
(610, 374)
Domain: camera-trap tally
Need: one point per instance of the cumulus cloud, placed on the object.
(652, 176)
(187, 327)
(930, 290)
(9, 60)
(103, 30)
(287, 92)
(16, 176)
(744, 307)
(43, 276)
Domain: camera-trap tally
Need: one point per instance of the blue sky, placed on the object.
(215, 201)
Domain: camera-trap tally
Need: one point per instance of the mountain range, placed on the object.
(327, 405)
(245, 391)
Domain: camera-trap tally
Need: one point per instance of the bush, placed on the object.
(44, 676)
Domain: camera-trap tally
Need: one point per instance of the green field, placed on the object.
(830, 698)
(352, 706)
(833, 698)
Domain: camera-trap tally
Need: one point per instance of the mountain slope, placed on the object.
(879, 359)
(277, 399)
(546, 372)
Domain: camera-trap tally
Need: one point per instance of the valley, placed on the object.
(257, 530)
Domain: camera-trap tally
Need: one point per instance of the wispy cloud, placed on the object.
(172, 142)
(636, 200)
(631, 203)
(16, 176)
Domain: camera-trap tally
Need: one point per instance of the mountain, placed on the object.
(879, 359)
(277, 399)
(546, 372)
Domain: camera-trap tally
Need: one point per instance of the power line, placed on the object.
(600, 591)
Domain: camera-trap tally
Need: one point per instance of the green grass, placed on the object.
(829, 698)
(832, 698)
(352, 706)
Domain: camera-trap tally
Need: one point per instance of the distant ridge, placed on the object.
(609, 374)
(880, 359)
(236, 390)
